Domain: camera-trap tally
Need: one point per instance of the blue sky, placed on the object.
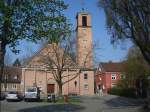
(106, 52)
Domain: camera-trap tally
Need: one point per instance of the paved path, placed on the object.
(107, 103)
(111, 103)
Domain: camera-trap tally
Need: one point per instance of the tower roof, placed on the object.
(83, 13)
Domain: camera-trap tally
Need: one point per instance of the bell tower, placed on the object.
(84, 40)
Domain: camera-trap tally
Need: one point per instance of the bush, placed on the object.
(127, 92)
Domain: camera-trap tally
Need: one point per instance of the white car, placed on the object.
(13, 95)
(32, 93)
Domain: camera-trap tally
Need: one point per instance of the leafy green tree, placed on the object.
(32, 20)
(129, 19)
(135, 68)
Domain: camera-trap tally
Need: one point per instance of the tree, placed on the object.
(17, 63)
(59, 60)
(32, 20)
(136, 69)
(8, 59)
(129, 19)
(30, 52)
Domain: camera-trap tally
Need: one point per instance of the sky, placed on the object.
(100, 36)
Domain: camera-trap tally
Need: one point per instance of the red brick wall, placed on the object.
(106, 79)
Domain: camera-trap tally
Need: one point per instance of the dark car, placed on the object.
(14, 95)
(2, 96)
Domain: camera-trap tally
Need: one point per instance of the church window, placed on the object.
(84, 21)
(85, 76)
(86, 87)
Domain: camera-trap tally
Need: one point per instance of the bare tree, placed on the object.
(61, 58)
(96, 53)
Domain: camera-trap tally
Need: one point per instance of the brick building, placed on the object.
(34, 73)
(11, 79)
(108, 74)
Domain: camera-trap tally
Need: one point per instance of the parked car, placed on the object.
(2, 96)
(14, 95)
(32, 93)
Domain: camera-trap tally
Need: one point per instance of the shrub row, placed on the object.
(127, 92)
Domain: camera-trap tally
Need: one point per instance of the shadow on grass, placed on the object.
(124, 102)
(55, 108)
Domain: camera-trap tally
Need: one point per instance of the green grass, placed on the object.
(70, 100)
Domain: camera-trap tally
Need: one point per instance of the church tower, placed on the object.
(84, 40)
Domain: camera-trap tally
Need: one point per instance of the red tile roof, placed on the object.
(111, 66)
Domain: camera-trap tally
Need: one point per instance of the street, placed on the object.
(109, 103)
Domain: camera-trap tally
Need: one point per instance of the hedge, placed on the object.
(127, 92)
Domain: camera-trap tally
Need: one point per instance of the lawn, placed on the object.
(72, 100)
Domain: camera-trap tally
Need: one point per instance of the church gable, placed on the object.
(51, 56)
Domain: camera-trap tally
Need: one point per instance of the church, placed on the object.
(83, 84)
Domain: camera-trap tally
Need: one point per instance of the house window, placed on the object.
(86, 87)
(15, 77)
(113, 76)
(84, 21)
(85, 76)
(122, 76)
(5, 86)
(14, 85)
(2, 86)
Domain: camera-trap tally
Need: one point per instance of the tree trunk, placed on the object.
(60, 89)
(2, 55)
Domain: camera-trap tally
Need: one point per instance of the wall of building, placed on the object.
(30, 77)
(106, 79)
(10, 87)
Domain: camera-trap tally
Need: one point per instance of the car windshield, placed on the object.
(31, 89)
(12, 92)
